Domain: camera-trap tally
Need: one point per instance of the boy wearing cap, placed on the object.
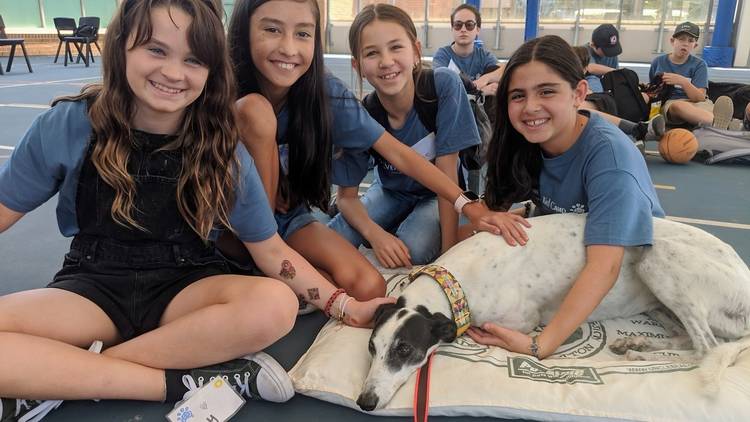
(603, 49)
(688, 76)
(464, 56)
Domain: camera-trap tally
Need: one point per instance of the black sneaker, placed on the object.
(17, 410)
(257, 377)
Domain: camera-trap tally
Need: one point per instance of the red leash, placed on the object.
(422, 391)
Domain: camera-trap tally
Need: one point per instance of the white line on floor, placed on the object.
(18, 105)
(665, 187)
(4, 156)
(709, 222)
(50, 82)
(7, 148)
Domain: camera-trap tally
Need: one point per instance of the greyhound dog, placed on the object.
(699, 278)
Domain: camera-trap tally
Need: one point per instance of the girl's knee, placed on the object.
(274, 313)
(363, 283)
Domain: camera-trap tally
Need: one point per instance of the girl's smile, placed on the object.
(387, 58)
(543, 107)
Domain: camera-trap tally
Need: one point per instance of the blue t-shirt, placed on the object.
(456, 130)
(595, 81)
(474, 65)
(49, 157)
(352, 131)
(694, 69)
(604, 175)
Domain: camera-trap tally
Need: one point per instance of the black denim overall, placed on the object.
(132, 274)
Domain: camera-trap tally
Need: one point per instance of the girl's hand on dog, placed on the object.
(506, 224)
(494, 335)
(360, 314)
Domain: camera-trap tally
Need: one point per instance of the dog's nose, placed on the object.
(367, 401)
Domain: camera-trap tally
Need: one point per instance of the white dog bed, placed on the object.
(583, 379)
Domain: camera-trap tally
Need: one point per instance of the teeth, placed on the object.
(165, 88)
(285, 66)
(389, 76)
(536, 122)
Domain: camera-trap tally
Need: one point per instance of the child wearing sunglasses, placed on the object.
(463, 56)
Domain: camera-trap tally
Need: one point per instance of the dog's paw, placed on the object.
(634, 355)
(625, 344)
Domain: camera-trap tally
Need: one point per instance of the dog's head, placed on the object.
(401, 342)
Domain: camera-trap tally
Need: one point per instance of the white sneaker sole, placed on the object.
(281, 384)
(723, 111)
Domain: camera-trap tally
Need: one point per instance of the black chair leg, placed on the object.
(98, 48)
(67, 53)
(1, 69)
(88, 56)
(57, 54)
(10, 57)
(26, 56)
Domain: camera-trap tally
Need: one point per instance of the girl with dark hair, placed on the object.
(146, 165)
(400, 219)
(565, 160)
(294, 117)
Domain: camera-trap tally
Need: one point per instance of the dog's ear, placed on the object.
(385, 310)
(443, 328)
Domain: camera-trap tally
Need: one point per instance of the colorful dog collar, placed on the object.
(452, 289)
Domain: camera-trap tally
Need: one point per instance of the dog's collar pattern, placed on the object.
(452, 289)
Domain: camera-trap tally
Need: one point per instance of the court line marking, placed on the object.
(665, 187)
(3, 147)
(50, 82)
(19, 105)
(709, 222)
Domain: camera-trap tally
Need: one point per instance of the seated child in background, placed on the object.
(464, 56)
(602, 51)
(688, 75)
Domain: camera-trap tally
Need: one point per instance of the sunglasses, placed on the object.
(470, 25)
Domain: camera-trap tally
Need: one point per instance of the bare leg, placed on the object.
(350, 270)
(685, 110)
(40, 358)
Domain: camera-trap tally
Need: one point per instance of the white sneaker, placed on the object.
(257, 376)
(723, 111)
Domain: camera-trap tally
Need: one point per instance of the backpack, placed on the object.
(426, 103)
(622, 85)
(722, 146)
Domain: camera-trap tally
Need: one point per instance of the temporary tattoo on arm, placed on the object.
(313, 294)
(287, 270)
(302, 301)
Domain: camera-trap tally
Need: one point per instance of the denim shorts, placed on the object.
(295, 219)
(133, 285)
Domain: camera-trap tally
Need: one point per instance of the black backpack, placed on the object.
(739, 93)
(426, 103)
(622, 85)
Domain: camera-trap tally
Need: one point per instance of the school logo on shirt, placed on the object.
(576, 208)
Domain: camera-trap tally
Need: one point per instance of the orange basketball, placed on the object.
(678, 146)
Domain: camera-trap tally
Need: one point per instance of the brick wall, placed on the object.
(42, 45)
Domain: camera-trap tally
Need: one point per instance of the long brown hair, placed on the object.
(513, 163)
(207, 137)
(386, 13)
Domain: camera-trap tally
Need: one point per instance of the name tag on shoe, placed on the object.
(214, 402)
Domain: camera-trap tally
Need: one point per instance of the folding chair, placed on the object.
(65, 27)
(86, 33)
(12, 42)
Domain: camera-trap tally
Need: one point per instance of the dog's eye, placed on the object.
(403, 350)
(371, 347)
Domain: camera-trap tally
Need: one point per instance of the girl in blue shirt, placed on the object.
(146, 164)
(565, 160)
(400, 219)
(295, 120)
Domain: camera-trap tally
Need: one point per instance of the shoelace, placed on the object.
(36, 412)
(243, 385)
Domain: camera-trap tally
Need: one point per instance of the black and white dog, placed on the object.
(699, 278)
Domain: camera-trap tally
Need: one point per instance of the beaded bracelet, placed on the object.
(342, 314)
(327, 309)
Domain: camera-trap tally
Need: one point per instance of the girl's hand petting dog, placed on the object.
(509, 225)
(511, 340)
(389, 249)
(360, 314)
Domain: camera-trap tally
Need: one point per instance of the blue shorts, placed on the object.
(295, 219)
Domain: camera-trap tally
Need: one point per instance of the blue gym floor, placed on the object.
(715, 199)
